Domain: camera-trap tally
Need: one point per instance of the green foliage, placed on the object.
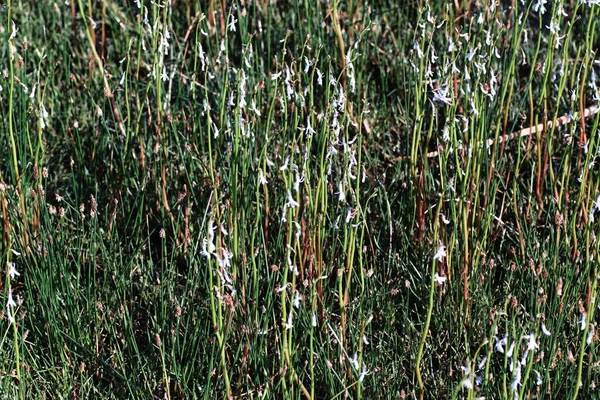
(311, 199)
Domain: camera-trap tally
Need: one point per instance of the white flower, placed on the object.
(440, 95)
(545, 330)
(364, 373)
(289, 324)
(445, 220)
(501, 343)
(291, 202)
(440, 280)
(510, 350)
(482, 363)
(261, 177)
(514, 386)
(12, 271)
(297, 299)
(319, 77)
(441, 252)
(354, 361)
(10, 302)
(539, 6)
(232, 24)
(531, 344)
(582, 321)
(590, 335)
(341, 194)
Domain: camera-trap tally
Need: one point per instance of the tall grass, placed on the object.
(313, 199)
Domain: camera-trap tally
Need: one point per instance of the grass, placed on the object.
(312, 199)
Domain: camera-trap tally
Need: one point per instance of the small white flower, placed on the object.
(482, 363)
(10, 302)
(510, 350)
(365, 340)
(441, 252)
(297, 299)
(341, 193)
(289, 324)
(538, 379)
(467, 383)
(501, 343)
(445, 220)
(12, 271)
(261, 177)
(276, 76)
(232, 24)
(314, 320)
(364, 373)
(291, 202)
(545, 330)
(285, 164)
(354, 361)
(531, 344)
(582, 321)
(590, 335)
(319, 77)
(539, 6)
(514, 386)
(440, 280)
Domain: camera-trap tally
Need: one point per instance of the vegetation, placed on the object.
(299, 199)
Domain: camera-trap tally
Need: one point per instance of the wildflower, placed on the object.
(582, 321)
(12, 271)
(545, 330)
(538, 379)
(285, 164)
(291, 202)
(354, 361)
(289, 324)
(531, 344)
(441, 252)
(440, 280)
(510, 350)
(297, 299)
(254, 109)
(307, 64)
(232, 24)
(319, 77)
(364, 373)
(314, 320)
(540, 7)
(514, 386)
(590, 335)
(261, 177)
(467, 382)
(349, 215)
(298, 181)
(309, 130)
(14, 31)
(282, 288)
(341, 193)
(440, 95)
(482, 363)
(276, 76)
(10, 303)
(445, 220)
(501, 343)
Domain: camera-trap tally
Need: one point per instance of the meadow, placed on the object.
(313, 199)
